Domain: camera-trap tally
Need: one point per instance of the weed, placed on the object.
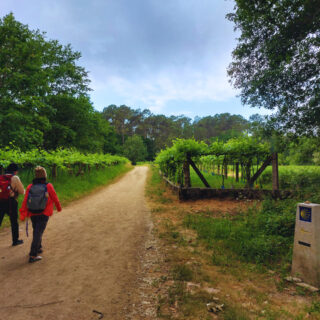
(301, 291)
(182, 273)
(234, 312)
(314, 308)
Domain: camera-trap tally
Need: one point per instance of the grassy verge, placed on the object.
(71, 187)
(240, 250)
(261, 234)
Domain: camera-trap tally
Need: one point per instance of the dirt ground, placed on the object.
(91, 261)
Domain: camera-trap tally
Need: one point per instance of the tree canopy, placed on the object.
(44, 93)
(276, 63)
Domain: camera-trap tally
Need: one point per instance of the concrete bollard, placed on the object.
(306, 248)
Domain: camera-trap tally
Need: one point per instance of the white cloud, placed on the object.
(154, 91)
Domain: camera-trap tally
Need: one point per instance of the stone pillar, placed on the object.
(306, 248)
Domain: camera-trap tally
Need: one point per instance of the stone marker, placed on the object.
(306, 249)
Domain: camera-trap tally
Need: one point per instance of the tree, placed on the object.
(122, 118)
(32, 71)
(222, 126)
(134, 149)
(75, 123)
(276, 63)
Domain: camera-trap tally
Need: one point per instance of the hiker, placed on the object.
(10, 188)
(38, 204)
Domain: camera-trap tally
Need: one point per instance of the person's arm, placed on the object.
(53, 196)
(24, 210)
(17, 185)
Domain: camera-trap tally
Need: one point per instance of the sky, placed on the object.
(168, 56)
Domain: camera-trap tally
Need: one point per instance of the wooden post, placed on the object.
(186, 174)
(248, 174)
(275, 172)
(237, 172)
(262, 168)
(226, 170)
(205, 182)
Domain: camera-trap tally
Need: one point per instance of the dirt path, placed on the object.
(92, 253)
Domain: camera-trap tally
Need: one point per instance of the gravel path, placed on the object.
(92, 257)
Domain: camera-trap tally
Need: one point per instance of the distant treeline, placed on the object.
(158, 131)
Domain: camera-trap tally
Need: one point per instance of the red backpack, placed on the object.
(5, 186)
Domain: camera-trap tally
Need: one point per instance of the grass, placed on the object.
(294, 178)
(70, 187)
(260, 235)
(215, 181)
(245, 253)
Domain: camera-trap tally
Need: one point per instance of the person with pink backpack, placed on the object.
(10, 188)
(38, 204)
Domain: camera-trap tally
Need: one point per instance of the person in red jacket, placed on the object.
(39, 219)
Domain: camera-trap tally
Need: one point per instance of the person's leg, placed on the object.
(3, 210)
(35, 238)
(13, 214)
(44, 221)
(39, 224)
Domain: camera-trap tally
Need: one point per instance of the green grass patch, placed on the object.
(215, 181)
(259, 235)
(156, 187)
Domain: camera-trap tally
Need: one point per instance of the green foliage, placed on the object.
(134, 149)
(222, 126)
(276, 63)
(44, 99)
(171, 160)
(244, 150)
(294, 177)
(260, 235)
(61, 158)
(301, 151)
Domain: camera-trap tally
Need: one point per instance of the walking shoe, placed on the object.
(16, 243)
(34, 259)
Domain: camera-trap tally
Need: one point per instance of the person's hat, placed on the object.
(40, 172)
(12, 167)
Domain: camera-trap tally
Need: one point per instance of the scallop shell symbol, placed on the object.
(303, 214)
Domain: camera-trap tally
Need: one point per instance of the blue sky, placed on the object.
(169, 56)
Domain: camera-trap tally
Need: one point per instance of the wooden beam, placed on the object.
(261, 169)
(237, 172)
(275, 172)
(198, 173)
(186, 174)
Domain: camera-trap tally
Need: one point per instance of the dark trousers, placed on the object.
(10, 207)
(39, 224)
